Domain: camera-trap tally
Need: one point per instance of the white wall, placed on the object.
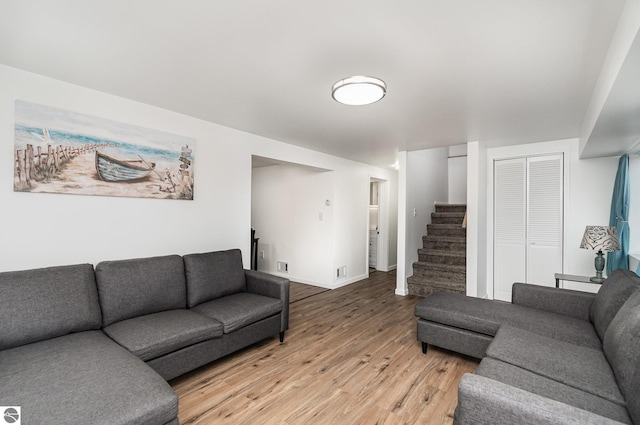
(389, 219)
(425, 183)
(589, 203)
(621, 43)
(588, 188)
(48, 229)
(457, 174)
(287, 201)
(476, 220)
(401, 275)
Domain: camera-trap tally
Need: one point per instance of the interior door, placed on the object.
(544, 219)
(509, 225)
(528, 222)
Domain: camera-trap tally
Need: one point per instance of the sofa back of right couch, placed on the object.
(615, 291)
(621, 345)
(213, 275)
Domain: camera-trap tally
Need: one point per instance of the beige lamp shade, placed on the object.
(600, 238)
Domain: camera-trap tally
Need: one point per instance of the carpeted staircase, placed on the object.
(441, 264)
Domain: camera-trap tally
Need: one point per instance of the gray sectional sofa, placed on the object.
(85, 346)
(552, 356)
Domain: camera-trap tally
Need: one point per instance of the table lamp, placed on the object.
(601, 239)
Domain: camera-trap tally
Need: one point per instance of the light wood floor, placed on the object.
(300, 291)
(350, 357)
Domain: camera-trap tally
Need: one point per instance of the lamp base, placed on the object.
(599, 263)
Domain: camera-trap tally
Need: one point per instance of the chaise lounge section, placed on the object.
(79, 346)
(551, 356)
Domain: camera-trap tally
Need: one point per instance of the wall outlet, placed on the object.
(282, 267)
(262, 254)
(341, 272)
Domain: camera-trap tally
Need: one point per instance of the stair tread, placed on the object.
(444, 252)
(436, 283)
(439, 266)
(425, 264)
(446, 238)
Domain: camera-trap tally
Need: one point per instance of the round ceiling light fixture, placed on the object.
(358, 90)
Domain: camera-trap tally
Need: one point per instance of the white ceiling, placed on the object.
(498, 71)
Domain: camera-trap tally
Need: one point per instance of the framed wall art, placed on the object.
(59, 151)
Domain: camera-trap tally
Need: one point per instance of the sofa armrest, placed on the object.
(554, 300)
(270, 286)
(483, 401)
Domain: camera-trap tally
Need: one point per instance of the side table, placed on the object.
(572, 278)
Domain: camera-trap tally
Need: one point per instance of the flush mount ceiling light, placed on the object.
(359, 90)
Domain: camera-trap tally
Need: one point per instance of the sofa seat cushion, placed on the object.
(486, 316)
(239, 310)
(583, 368)
(153, 335)
(538, 384)
(84, 378)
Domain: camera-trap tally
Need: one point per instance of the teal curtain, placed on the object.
(620, 216)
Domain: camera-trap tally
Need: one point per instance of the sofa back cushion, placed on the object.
(615, 290)
(622, 347)
(213, 275)
(46, 303)
(132, 288)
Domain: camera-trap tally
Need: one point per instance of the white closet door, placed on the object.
(509, 225)
(544, 219)
(528, 227)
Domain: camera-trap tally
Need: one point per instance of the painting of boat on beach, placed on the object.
(58, 151)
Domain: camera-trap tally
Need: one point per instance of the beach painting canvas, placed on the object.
(58, 151)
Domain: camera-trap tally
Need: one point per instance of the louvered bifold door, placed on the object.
(544, 219)
(509, 253)
(528, 226)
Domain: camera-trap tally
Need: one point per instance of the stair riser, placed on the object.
(439, 275)
(439, 244)
(447, 219)
(455, 232)
(451, 208)
(441, 259)
(458, 286)
(425, 291)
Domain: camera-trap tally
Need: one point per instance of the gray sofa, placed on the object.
(85, 346)
(552, 356)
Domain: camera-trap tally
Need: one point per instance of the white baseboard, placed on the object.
(335, 285)
(345, 282)
(387, 269)
(402, 291)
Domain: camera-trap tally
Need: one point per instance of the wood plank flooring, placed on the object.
(350, 357)
(300, 291)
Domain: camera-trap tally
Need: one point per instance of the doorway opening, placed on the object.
(376, 225)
